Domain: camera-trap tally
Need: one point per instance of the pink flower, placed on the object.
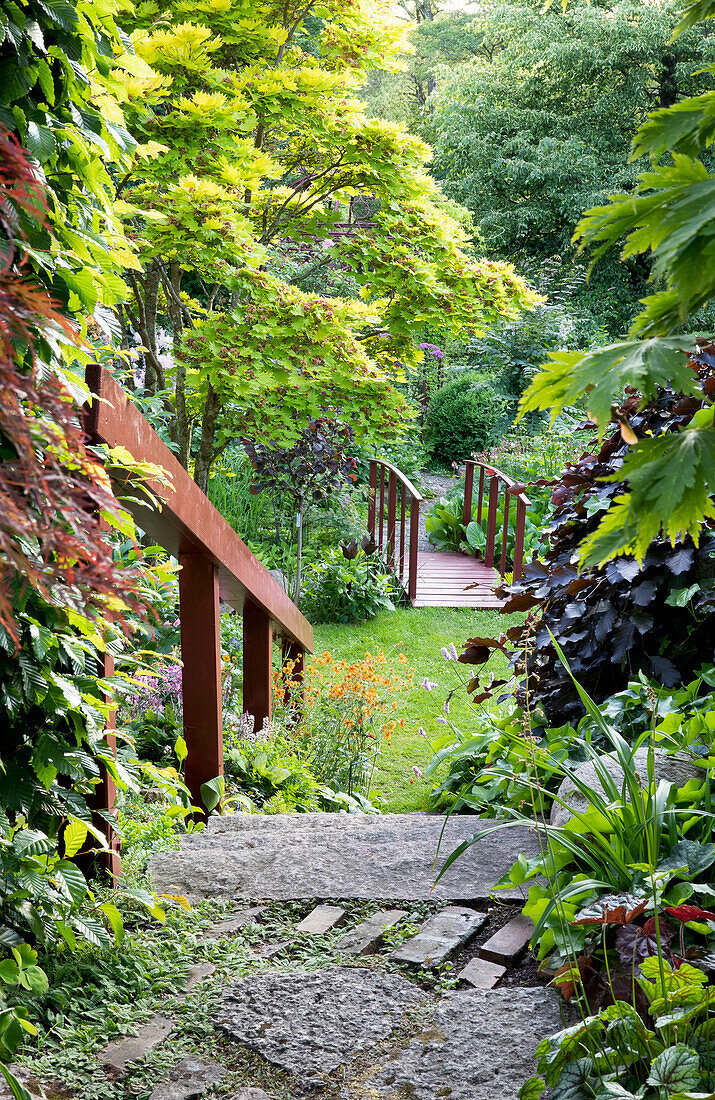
(442, 721)
(417, 771)
(422, 732)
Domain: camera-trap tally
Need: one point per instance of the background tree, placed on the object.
(537, 125)
(248, 138)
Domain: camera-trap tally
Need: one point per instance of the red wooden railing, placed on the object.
(214, 563)
(498, 482)
(392, 497)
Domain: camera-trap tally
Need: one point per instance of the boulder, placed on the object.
(676, 768)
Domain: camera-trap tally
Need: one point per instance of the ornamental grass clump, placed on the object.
(351, 712)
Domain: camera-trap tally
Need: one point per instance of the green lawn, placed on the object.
(420, 634)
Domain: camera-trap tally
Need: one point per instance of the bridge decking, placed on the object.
(442, 580)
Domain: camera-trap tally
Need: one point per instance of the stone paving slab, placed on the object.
(440, 936)
(479, 1046)
(321, 920)
(311, 1023)
(231, 925)
(482, 974)
(118, 1056)
(366, 937)
(288, 856)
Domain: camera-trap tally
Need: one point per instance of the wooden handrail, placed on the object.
(384, 529)
(214, 563)
(511, 489)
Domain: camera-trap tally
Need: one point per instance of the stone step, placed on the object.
(482, 974)
(440, 936)
(318, 855)
(311, 1023)
(189, 1078)
(321, 920)
(506, 945)
(118, 1056)
(366, 937)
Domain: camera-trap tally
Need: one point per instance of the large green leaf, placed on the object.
(604, 373)
(672, 483)
(676, 1068)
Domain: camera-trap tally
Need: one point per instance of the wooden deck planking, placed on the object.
(443, 580)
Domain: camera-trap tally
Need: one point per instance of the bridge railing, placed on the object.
(215, 564)
(491, 484)
(393, 503)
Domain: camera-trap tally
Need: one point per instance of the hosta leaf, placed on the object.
(676, 1068)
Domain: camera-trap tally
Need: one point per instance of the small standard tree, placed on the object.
(315, 466)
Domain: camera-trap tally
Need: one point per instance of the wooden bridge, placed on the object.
(435, 578)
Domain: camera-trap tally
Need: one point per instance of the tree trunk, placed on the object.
(182, 429)
(206, 453)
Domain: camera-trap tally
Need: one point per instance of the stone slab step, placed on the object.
(118, 1056)
(311, 1023)
(482, 974)
(271, 950)
(506, 945)
(321, 920)
(366, 937)
(479, 1045)
(315, 855)
(440, 936)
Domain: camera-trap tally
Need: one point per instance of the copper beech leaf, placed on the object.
(612, 909)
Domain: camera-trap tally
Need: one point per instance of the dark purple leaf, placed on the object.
(680, 561)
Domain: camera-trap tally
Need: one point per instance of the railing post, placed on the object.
(381, 536)
(491, 522)
(201, 675)
(104, 795)
(468, 490)
(414, 540)
(372, 500)
(391, 512)
(519, 538)
(505, 532)
(257, 669)
(481, 494)
(403, 506)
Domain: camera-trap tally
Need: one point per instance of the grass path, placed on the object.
(420, 634)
